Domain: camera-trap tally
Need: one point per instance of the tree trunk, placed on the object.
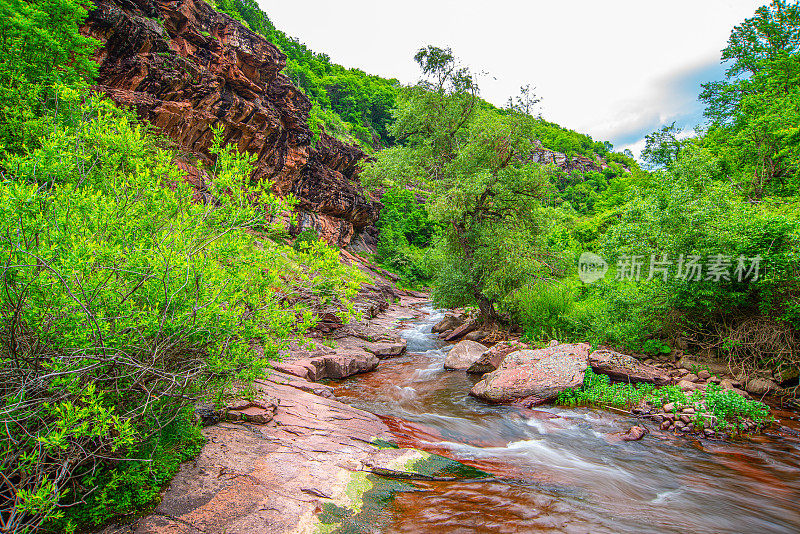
(487, 312)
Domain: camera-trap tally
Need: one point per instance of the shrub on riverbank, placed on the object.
(728, 410)
(123, 301)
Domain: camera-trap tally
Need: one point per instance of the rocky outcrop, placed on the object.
(463, 355)
(186, 69)
(532, 377)
(582, 164)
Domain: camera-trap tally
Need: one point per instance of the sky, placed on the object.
(614, 69)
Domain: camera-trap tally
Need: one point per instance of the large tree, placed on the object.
(755, 111)
(473, 164)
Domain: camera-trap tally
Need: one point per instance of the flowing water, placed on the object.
(565, 470)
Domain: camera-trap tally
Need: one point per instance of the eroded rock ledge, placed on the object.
(186, 68)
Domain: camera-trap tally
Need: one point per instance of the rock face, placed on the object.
(532, 377)
(186, 68)
(626, 368)
(463, 355)
(492, 358)
(579, 163)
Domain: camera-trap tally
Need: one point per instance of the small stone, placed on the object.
(686, 419)
(670, 407)
(704, 375)
(679, 424)
(688, 410)
(634, 434)
(691, 377)
(715, 380)
(686, 386)
(687, 428)
(669, 416)
(665, 424)
(553, 343)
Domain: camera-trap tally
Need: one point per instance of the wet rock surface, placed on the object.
(493, 357)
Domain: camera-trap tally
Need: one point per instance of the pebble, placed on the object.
(688, 410)
(665, 424)
(691, 377)
(669, 407)
(686, 419)
(703, 375)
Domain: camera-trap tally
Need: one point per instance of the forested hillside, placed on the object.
(701, 251)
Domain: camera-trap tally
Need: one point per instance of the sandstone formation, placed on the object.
(531, 377)
(186, 68)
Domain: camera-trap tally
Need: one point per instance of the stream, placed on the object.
(567, 470)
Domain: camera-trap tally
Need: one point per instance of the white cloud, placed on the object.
(608, 69)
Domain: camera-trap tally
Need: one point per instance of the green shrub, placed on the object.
(122, 300)
(728, 407)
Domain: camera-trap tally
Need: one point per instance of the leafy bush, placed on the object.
(728, 407)
(121, 301)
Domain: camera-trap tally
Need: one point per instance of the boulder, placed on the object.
(449, 322)
(535, 376)
(626, 368)
(259, 411)
(492, 358)
(386, 350)
(477, 335)
(760, 386)
(688, 387)
(463, 355)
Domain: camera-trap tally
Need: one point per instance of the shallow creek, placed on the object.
(566, 470)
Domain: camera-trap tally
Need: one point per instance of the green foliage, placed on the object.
(728, 407)
(40, 46)
(122, 300)
(348, 103)
(406, 233)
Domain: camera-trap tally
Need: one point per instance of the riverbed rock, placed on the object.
(463, 355)
(449, 322)
(626, 368)
(386, 350)
(259, 411)
(492, 358)
(337, 365)
(634, 434)
(687, 386)
(535, 376)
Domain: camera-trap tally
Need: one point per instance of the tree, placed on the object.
(662, 147)
(754, 111)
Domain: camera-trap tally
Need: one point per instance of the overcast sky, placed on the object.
(615, 69)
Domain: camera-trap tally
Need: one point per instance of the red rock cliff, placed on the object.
(185, 67)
